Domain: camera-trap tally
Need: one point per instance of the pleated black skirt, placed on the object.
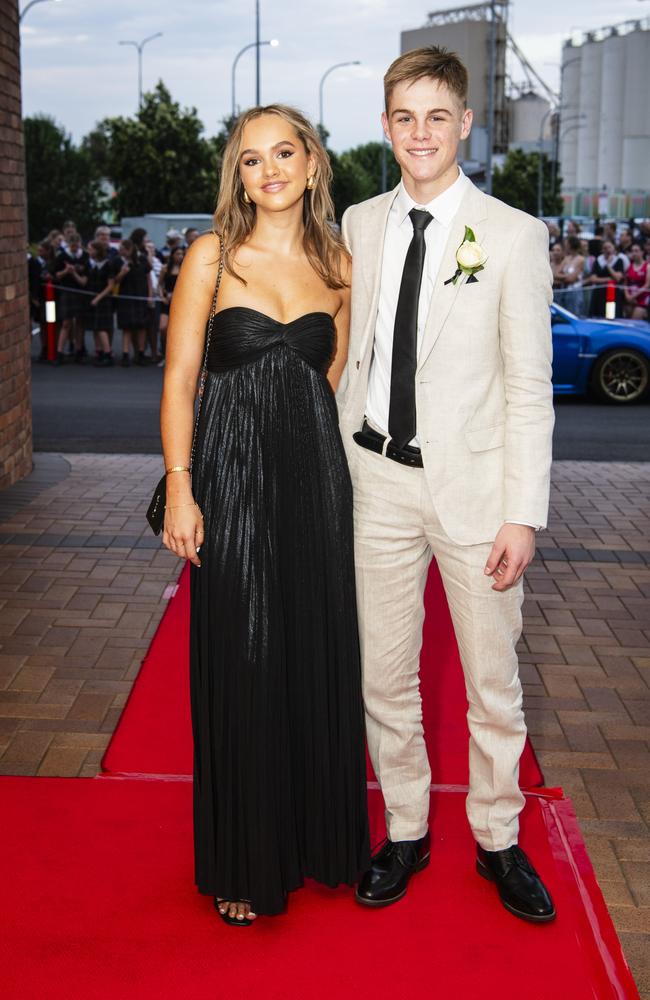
(275, 681)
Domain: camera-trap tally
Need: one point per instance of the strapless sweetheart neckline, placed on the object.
(271, 319)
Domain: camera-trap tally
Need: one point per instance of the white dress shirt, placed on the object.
(398, 236)
(399, 233)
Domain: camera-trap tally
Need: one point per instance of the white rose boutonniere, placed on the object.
(470, 258)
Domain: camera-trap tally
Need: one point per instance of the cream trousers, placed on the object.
(397, 533)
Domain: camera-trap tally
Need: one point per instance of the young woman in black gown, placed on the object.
(279, 764)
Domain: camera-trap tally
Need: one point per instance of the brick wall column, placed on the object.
(15, 348)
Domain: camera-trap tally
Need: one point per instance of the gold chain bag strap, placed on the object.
(156, 510)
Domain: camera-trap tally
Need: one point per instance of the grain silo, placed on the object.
(635, 107)
(591, 67)
(610, 139)
(569, 123)
(529, 117)
(604, 135)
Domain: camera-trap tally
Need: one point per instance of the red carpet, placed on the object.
(99, 904)
(153, 735)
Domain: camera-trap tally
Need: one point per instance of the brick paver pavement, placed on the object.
(82, 589)
(585, 664)
(83, 584)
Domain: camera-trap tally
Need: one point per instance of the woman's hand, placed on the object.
(183, 530)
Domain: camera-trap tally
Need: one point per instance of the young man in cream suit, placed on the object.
(447, 418)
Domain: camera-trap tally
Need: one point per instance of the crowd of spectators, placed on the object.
(585, 264)
(101, 288)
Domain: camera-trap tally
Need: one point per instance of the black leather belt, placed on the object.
(373, 441)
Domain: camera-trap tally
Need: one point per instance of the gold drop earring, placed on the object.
(246, 197)
(310, 183)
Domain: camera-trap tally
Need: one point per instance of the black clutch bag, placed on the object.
(156, 509)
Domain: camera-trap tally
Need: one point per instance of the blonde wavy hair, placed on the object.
(234, 219)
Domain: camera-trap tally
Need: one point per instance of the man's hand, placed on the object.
(511, 555)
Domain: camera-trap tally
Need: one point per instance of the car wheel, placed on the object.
(621, 376)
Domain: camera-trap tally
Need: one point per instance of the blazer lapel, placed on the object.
(372, 254)
(472, 213)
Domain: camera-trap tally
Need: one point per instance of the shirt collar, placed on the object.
(443, 208)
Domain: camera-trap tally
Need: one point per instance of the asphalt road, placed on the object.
(79, 408)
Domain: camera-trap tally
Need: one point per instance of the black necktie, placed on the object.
(401, 414)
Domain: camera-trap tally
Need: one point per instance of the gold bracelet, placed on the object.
(178, 468)
(176, 506)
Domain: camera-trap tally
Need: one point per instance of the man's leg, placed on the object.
(392, 557)
(487, 624)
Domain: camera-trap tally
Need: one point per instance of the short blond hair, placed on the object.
(432, 61)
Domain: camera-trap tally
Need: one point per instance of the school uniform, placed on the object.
(132, 309)
(99, 317)
(72, 301)
(169, 285)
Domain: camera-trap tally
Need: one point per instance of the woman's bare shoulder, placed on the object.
(204, 251)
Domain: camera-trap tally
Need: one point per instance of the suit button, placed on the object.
(358, 365)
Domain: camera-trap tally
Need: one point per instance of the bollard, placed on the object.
(610, 301)
(50, 319)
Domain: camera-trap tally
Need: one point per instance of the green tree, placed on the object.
(369, 156)
(516, 183)
(358, 173)
(350, 183)
(159, 160)
(62, 182)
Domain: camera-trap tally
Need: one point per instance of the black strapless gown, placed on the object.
(275, 677)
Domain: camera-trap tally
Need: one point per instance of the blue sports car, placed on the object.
(610, 358)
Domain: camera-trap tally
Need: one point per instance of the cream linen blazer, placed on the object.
(483, 381)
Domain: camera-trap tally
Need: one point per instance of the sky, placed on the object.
(75, 70)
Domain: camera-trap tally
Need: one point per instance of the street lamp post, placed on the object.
(273, 42)
(571, 128)
(556, 156)
(354, 62)
(491, 88)
(558, 122)
(550, 111)
(29, 6)
(540, 174)
(139, 46)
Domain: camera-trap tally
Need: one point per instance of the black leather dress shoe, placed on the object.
(387, 879)
(521, 889)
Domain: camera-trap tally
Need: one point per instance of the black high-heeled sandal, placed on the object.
(233, 921)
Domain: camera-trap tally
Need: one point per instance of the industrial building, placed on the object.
(604, 126)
